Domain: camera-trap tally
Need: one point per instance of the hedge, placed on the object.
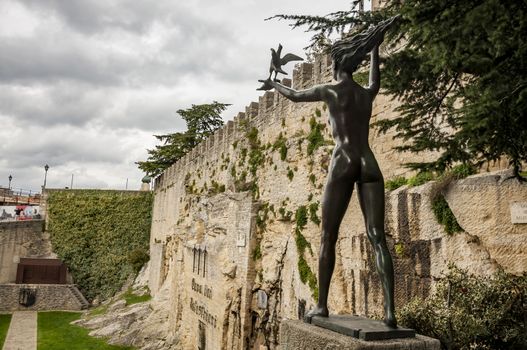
(100, 235)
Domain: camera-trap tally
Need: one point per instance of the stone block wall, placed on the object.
(48, 297)
(21, 239)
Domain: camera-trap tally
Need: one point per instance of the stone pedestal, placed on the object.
(303, 336)
(361, 327)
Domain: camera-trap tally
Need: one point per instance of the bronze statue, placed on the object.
(350, 108)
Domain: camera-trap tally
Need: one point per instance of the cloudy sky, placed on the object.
(84, 84)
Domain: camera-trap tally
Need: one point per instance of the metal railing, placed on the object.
(19, 196)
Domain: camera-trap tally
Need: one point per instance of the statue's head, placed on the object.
(347, 66)
(347, 55)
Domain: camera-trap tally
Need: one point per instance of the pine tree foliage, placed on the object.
(202, 120)
(459, 70)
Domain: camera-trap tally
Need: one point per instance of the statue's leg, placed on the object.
(334, 204)
(371, 199)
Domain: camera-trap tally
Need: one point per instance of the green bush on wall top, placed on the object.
(102, 236)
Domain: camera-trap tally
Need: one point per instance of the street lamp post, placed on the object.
(10, 178)
(46, 168)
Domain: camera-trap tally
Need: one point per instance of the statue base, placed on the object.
(361, 327)
(300, 335)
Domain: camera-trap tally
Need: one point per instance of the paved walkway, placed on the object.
(22, 333)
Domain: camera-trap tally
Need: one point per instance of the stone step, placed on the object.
(78, 295)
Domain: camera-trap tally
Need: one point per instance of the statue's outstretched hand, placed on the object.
(267, 85)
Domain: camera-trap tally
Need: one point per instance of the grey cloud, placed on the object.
(92, 16)
(193, 47)
(65, 104)
(58, 146)
(153, 113)
(49, 58)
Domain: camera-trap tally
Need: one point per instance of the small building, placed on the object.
(41, 271)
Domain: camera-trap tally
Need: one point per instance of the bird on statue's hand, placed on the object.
(276, 66)
(277, 62)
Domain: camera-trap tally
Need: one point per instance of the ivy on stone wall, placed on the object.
(307, 276)
(102, 236)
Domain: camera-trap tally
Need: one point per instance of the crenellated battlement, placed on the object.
(266, 111)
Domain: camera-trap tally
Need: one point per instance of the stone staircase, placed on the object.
(78, 295)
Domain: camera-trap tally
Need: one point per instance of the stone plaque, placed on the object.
(519, 212)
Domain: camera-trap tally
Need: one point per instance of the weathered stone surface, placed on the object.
(119, 304)
(481, 204)
(296, 335)
(141, 279)
(48, 297)
(143, 325)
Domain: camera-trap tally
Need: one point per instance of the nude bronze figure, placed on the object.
(353, 162)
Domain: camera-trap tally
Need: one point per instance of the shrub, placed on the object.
(137, 258)
(444, 215)
(462, 171)
(420, 179)
(395, 183)
(471, 312)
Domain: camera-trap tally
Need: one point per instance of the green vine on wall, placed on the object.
(306, 274)
(444, 215)
(315, 138)
(102, 236)
(280, 144)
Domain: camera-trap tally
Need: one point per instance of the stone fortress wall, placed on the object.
(236, 194)
(21, 239)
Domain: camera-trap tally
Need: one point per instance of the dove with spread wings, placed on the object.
(277, 62)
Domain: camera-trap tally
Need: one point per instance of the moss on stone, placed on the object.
(313, 208)
(420, 179)
(257, 251)
(315, 138)
(280, 144)
(444, 215)
(307, 276)
(395, 183)
(301, 217)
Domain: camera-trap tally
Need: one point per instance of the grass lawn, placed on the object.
(56, 333)
(5, 319)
